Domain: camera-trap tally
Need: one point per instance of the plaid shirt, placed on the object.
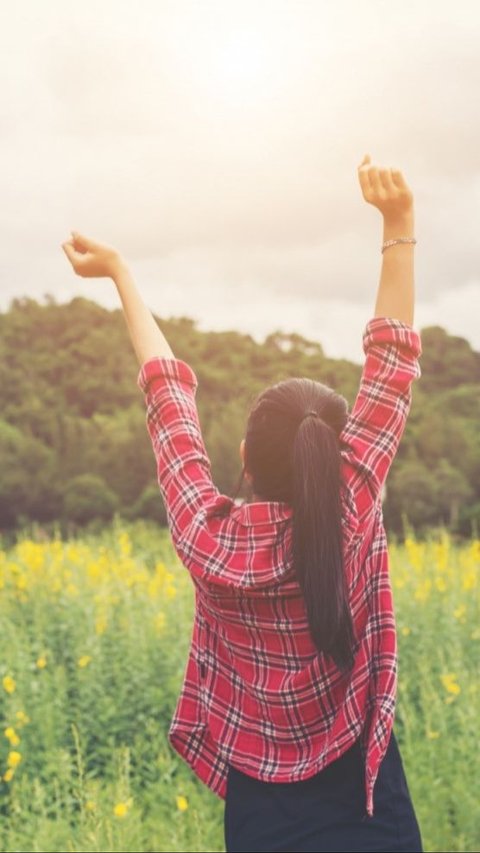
(256, 692)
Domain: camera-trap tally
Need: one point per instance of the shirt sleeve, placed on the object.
(375, 425)
(183, 466)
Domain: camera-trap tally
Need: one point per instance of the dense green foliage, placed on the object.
(70, 407)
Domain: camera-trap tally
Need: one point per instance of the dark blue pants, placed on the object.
(326, 812)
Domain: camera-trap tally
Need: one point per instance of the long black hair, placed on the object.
(296, 459)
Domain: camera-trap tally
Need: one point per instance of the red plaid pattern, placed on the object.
(256, 693)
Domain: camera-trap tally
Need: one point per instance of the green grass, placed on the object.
(96, 771)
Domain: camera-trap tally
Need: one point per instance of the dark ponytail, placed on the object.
(317, 538)
(296, 459)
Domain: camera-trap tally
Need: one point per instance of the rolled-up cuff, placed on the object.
(160, 367)
(389, 330)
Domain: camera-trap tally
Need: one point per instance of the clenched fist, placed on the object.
(385, 189)
(90, 259)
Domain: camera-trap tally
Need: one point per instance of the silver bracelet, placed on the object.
(398, 240)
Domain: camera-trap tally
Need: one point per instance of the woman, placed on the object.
(288, 700)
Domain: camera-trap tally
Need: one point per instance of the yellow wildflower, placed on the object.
(41, 662)
(8, 775)
(182, 803)
(84, 661)
(12, 736)
(153, 588)
(121, 809)
(93, 570)
(460, 612)
(423, 590)
(470, 562)
(406, 630)
(14, 759)
(440, 584)
(31, 553)
(442, 553)
(432, 735)
(22, 718)
(449, 682)
(415, 553)
(125, 544)
(170, 591)
(469, 579)
(90, 806)
(101, 623)
(9, 684)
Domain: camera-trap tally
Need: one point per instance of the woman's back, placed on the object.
(257, 694)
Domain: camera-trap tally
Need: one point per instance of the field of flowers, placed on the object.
(93, 644)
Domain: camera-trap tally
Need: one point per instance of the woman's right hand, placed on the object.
(90, 259)
(385, 189)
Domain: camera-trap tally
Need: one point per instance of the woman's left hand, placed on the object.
(90, 259)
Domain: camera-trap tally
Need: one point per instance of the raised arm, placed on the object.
(169, 385)
(90, 259)
(387, 190)
(371, 437)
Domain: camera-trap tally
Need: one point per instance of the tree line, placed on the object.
(74, 445)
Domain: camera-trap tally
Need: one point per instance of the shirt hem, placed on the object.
(193, 745)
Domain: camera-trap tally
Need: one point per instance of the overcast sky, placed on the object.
(216, 145)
